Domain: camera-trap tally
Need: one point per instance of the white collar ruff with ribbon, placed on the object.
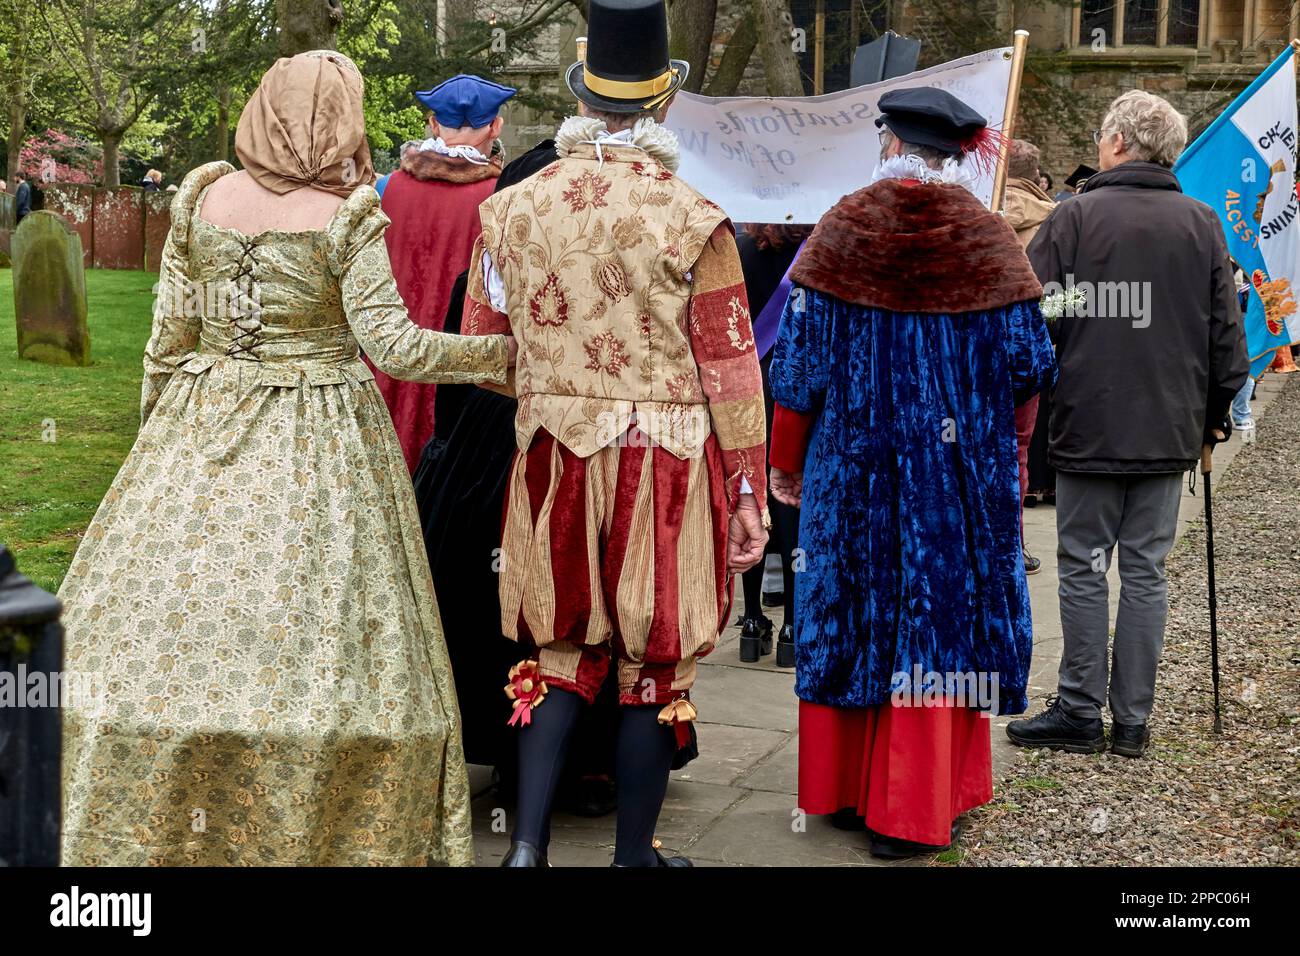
(467, 153)
(914, 167)
(657, 142)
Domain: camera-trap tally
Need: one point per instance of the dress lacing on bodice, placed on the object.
(248, 327)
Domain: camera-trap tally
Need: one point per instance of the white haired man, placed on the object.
(1148, 368)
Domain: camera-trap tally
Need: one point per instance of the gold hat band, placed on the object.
(627, 89)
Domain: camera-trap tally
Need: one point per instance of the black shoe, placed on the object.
(891, 848)
(1050, 498)
(674, 861)
(1031, 500)
(524, 854)
(785, 647)
(1129, 740)
(755, 638)
(773, 598)
(1057, 730)
(1032, 564)
(846, 818)
(661, 860)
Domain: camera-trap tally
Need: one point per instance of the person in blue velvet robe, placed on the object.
(911, 333)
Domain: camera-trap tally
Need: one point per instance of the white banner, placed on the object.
(790, 158)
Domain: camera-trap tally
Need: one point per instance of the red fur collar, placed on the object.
(916, 248)
(425, 164)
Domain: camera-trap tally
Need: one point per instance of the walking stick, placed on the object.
(1207, 460)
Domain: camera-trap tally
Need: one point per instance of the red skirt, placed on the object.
(910, 771)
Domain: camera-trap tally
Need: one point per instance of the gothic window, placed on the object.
(1139, 22)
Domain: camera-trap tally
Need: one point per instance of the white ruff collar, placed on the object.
(656, 141)
(914, 167)
(468, 153)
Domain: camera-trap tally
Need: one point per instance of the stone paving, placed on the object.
(736, 804)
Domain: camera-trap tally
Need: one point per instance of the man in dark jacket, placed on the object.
(1150, 360)
(22, 196)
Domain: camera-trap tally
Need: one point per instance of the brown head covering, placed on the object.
(304, 126)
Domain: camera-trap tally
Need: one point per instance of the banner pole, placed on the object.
(1019, 44)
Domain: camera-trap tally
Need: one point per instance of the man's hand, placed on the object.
(785, 487)
(1217, 431)
(746, 536)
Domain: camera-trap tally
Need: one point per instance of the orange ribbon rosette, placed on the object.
(527, 690)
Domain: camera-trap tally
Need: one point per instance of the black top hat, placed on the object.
(627, 68)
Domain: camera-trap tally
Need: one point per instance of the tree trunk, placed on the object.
(17, 65)
(690, 32)
(223, 122)
(14, 144)
(775, 45)
(308, 25)
(111, 142)
(735, 58)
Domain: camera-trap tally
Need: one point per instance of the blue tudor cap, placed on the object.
(465, 100)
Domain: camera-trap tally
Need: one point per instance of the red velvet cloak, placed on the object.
(433, 203)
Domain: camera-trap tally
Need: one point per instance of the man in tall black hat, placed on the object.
(911, 332)
(638, 488)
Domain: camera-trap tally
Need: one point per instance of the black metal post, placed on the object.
(31, 731)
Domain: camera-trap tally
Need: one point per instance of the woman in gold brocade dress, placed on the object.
(252, 600)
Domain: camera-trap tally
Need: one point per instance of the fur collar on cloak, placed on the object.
(913, 247)
(425, 164)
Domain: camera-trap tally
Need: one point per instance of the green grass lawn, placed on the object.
(49, 490)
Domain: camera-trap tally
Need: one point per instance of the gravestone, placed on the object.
(50, 291)
(8, 218)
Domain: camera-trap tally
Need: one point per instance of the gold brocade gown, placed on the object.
(250, 618)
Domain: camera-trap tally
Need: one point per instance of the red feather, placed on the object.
(983, 148)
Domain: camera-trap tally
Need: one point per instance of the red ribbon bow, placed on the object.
(527, 690)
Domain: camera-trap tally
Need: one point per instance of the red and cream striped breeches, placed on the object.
(620, 553)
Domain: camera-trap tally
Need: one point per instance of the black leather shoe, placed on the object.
(661, 860)
(1057, 730)
(675, 861)
(755, 638)
(524, 854)
(785, 647)
(891, 848)
(1129, 740)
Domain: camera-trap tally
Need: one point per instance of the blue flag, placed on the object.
(1243, 166)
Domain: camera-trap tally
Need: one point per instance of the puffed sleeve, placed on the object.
(480, 317)
(378, 317)
(175, 334)
(722, 343)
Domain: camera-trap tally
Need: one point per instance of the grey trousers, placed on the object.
(1094, 514)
